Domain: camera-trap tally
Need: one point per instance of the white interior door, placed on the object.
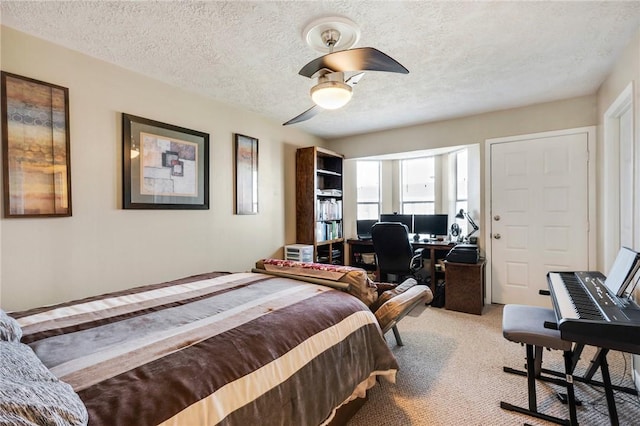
(539, 213)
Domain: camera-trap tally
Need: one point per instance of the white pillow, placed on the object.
(31, 395)
(10, 330)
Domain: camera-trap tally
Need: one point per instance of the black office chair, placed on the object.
(394, 254)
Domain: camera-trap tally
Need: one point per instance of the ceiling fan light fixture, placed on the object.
(331, 94)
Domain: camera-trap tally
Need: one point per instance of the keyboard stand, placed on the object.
(598, 361)
(611, 403)
(595, 363)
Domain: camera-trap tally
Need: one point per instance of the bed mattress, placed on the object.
(216, 348)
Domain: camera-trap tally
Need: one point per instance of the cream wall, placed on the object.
(103, 247)
(575, 112)
(471, 131)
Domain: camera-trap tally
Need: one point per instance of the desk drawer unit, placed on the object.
(464, 287)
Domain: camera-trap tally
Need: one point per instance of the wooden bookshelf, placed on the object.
(319, 203)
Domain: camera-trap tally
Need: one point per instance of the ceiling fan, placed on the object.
(332, 90)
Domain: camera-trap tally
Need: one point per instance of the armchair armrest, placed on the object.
(416, 260)
(392, 305)
(400, 305)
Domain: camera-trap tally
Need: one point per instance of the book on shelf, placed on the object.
(329, 192)
(328, 230)
(330, 209)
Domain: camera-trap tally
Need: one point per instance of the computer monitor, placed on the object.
(363, 228)
(431, 224)
(407, 219)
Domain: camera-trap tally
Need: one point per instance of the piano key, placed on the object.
(562, 297)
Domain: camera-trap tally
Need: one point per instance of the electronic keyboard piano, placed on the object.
(589, 313)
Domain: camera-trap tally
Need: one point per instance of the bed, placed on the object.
(217, 348)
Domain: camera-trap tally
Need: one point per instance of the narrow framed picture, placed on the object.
(164, 166)
(246, 174)
(36, 148)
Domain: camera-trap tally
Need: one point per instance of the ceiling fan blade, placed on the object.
(354, 79)
(310, 113)
(360, 59)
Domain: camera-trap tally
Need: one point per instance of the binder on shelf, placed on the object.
(330, 209)
(321, 234)
(328, 230)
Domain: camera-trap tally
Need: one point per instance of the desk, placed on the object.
(355, 246)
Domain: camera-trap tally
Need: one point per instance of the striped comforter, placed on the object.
(234, 349)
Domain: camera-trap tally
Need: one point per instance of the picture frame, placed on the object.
(36, 148)
(164, 166)
(246, 174)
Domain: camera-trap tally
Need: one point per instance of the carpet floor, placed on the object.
(451, 374)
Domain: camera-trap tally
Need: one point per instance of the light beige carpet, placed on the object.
(451, 374)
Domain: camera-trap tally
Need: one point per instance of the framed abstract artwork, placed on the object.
(36, 148)
(164, 166)
(246, 169)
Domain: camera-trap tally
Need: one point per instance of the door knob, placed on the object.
(496, 217)
(496, 236)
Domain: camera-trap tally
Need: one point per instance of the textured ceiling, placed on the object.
(464, 57)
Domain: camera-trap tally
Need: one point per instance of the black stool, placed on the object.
(525, 325)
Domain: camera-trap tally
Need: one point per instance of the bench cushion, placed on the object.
(525, 324)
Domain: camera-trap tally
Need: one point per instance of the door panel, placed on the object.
(539, 214)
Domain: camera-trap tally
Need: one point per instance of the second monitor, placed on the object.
(431, 225)
(406, 219)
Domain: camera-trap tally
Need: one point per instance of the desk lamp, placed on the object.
(464, 215)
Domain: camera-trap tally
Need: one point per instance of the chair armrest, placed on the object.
(391, 291)
(382, 287)
(416, 261)
(397, 307)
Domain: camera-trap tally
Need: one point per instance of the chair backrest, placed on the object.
(392, 247)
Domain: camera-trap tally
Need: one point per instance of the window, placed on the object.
(368, 190)
(418, 185)
(461, 181)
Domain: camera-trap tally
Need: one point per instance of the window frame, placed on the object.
(426, 201)
(461, 203)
